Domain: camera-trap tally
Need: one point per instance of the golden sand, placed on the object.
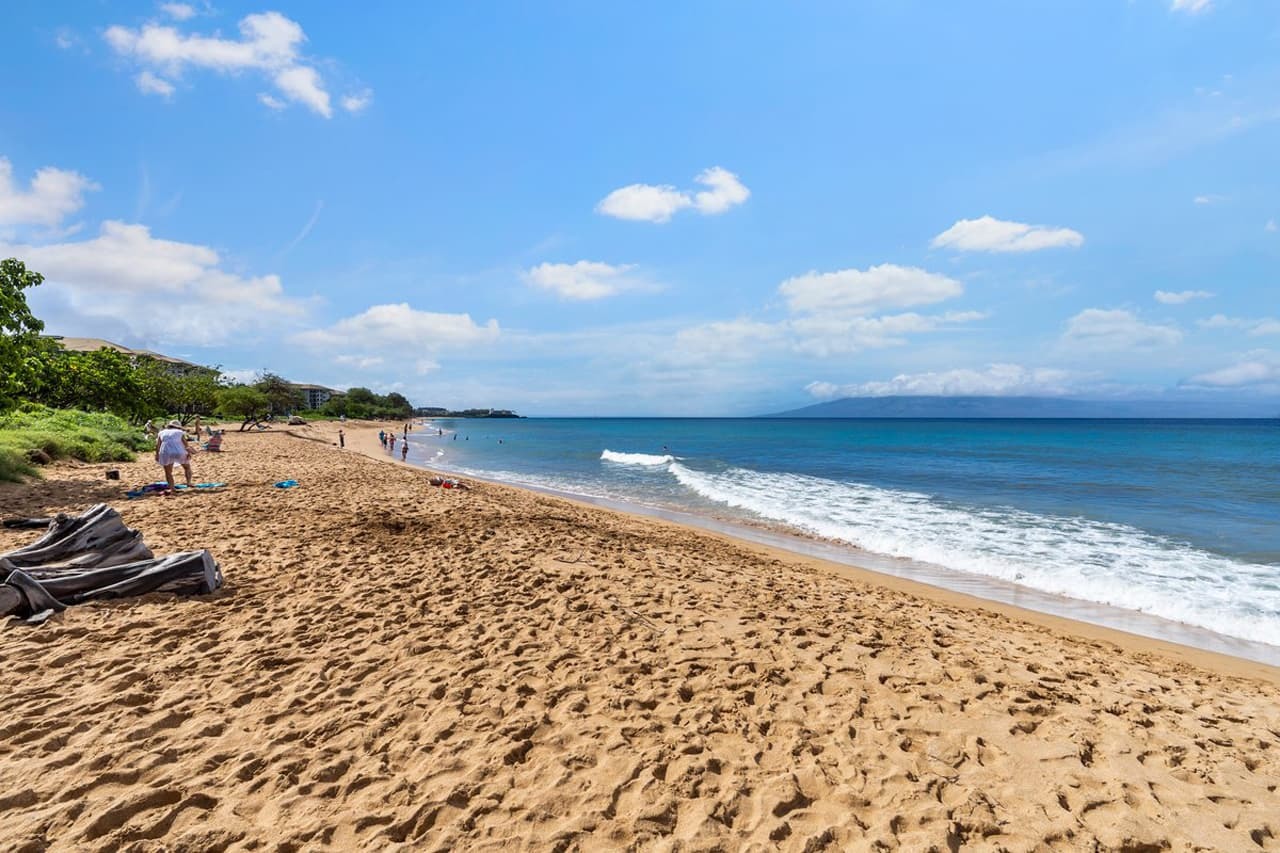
(393, 665)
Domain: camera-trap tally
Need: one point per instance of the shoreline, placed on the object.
(1131, 629)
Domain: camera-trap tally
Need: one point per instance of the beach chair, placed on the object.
(214, 443)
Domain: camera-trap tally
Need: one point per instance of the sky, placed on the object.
(669, 208)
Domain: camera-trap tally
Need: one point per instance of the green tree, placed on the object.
(397, 406)
(194, 393)
(244, 402)
(21, 348)
(281, 395)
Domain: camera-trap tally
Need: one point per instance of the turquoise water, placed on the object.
(1179, 519)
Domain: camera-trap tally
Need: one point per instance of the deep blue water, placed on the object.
(1176, 518)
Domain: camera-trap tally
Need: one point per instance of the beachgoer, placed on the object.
(342, 439)
(404, 451)
(197, 427)
(171, 449)
(150, 429)
(391, 440)
(382, 438)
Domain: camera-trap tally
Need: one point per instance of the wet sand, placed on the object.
(397, 665)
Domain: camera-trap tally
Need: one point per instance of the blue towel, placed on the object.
(286, 484)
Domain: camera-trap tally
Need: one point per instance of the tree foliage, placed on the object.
(363, 403)
(20, 342)
(282, 397)
(242, 402)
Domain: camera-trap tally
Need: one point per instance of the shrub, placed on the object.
(35, 430)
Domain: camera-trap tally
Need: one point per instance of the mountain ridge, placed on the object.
(911, 406)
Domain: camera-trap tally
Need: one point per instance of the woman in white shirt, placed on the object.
(171, 449)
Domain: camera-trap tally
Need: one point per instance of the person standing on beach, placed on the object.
(342, 439)
(171, 449)
(382, 438)
(391, 440)
(404, 451)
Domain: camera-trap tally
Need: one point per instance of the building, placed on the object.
(173, 365)
(315, 395)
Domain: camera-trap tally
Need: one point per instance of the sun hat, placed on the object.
(174, 424)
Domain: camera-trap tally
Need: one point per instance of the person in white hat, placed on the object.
(171, 449)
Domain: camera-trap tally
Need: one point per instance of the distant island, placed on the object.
(1026, 407)
(438, 412)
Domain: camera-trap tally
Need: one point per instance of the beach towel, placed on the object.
(286, 484)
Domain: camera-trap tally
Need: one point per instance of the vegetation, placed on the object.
(37, 434)
(363, 403)
(20, 342)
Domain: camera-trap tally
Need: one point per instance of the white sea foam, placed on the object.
(635, 458)
(1113, 564)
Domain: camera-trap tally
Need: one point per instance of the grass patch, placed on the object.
(33, 433)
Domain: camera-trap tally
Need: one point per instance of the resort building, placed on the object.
(315, 395)
(176, 366)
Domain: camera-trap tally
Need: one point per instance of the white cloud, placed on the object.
(269, 43)
(178, 11)
(302, 84)
(360, 362)
(988, 234)
(1209, 199)
(658, 203)
(1180, 297)
(825, 335)
(397, 329)
(1097, 328)
(1255, 328)
(1191, 7)
(584, 280)
(725, 191)
(644, 202)
(1257, 370)
(271, 101)
(357, 102)
(150, 84)
(159, 290)
(996, 380)
(860, 292)
(732, 340)
(1270, 227)
(53, 195)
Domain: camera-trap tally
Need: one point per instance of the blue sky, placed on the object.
(673, 208)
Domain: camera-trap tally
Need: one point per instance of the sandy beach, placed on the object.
(397, 666)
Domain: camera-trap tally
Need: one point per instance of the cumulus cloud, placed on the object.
(1255, 327)
(53, 195)
(658, 203)
(988, 234)
(825, 335)
(1096, 328)
(357, 102)
(1261, 369)
(1180, 297)
(159, 290)
(178, 11)
(995, 380)
(860, 292)
(391, 329)
(584, 280)
(360, 362)
(730, 340)
(724, 191)
(269, 44)
(1191, 7)
(150, 84)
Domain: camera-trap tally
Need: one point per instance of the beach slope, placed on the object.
(396, 665)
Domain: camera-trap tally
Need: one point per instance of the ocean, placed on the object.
(1177, 520)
